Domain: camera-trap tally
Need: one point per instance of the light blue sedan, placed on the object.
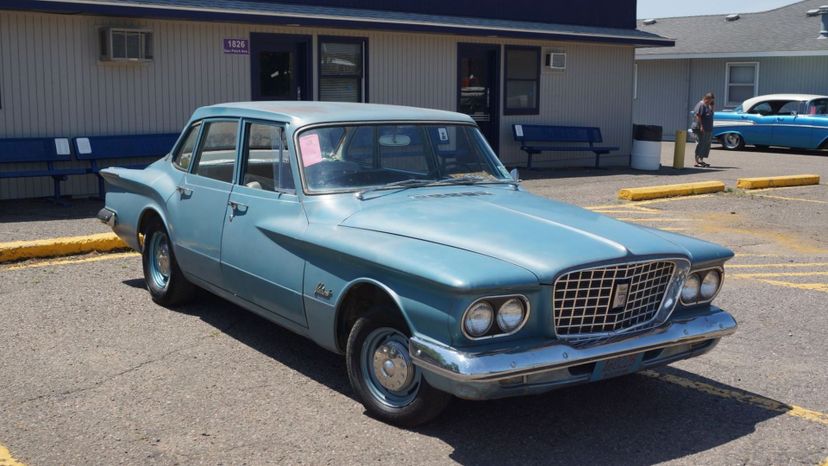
(395, 236)
(787, 120)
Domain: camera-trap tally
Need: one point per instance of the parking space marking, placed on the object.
(634, 219)
(785, 265)
(6, 459)
(798, 199)
(823, 287)
(80, 260)
(778, 274)
(742, 397)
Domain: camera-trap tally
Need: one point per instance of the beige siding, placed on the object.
(52, 84)
(662, 95)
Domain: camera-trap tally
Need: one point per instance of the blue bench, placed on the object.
(535, 139)
(140, 146)
(38, 151)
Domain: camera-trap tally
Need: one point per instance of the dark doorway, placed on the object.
(280, 67)
(478, 85)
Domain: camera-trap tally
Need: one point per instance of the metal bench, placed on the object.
(38, 151)
(535, 139)
(139, 146)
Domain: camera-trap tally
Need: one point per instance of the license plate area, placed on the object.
(616, 366)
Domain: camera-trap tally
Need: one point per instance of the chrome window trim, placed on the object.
(705, 270)
(679, 272)
(494, 316)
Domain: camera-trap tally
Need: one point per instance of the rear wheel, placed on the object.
(382, 374)
(733, 141)
(164, 279)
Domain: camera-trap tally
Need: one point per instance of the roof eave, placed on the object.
(703, 55)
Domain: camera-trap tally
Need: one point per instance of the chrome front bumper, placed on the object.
(485, 367)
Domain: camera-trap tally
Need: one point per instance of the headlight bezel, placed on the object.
(497, 302)
(702, 274)
(474, 306)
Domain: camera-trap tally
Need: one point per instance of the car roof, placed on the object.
(301, 113)
(762, 98)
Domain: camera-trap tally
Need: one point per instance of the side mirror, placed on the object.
(515, 175)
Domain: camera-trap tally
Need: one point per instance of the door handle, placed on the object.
(236, 207)
(184, 191)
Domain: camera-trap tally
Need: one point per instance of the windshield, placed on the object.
(350, 158)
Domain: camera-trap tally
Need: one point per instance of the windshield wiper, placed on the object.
(402, 184)
(473, 179)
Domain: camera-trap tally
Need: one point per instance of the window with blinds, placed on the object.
(342, 69)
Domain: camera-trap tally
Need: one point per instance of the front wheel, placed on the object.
(387, 382)
(733, 141)
(165, 282)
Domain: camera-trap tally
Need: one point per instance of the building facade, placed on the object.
(735, 57)
(89, 68)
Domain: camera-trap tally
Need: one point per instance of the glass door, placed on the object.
(280, 67)
(478, 71)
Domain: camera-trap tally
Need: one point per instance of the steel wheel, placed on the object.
(733, 141)
(159, 259)
(387, 369)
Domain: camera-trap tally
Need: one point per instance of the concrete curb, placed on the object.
(54, 247)
(777, 181)
(671, 190)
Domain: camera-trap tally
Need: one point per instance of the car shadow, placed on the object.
(636, 419)
(34, 210)
(777, 150)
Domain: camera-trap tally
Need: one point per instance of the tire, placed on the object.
(410, 401)
(165, 282)
(733, 141)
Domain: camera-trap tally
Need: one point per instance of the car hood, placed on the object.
(543, 236)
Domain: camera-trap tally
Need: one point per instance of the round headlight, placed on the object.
(711, 284)
(479, 319)
(690, 291)
(510, 315)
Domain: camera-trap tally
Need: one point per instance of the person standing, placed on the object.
(703, 127)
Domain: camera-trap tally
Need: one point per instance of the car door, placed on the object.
(197, 210)
(260, 261)
(757, 124)
(790, 128)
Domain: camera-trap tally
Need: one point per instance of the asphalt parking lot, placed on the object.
(94, 373)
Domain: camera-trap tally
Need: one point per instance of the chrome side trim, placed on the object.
(487, 366)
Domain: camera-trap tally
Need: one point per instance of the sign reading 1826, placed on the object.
(237, 46)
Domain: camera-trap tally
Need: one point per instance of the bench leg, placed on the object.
(529, 160)
(56, 179)
(597, 156)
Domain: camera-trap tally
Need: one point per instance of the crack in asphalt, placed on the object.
(112, 377)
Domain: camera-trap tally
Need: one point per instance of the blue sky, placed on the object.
(667, 8)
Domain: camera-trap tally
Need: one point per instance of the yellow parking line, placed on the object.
(743, 397)
(823, 287)
(777, 274)
(80, 260)
(747, 254)
(640, 204)
(673, 229)
(633, 219)
(6, 459)
(786, 265)
(824, 463)
(629, 212)
(799, 199)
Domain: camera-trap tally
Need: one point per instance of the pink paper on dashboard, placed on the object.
(311, 149)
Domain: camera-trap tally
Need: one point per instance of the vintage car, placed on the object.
(394, 235)
(786, 120)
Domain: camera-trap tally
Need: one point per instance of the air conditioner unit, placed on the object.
(556, 60)
(125, 44)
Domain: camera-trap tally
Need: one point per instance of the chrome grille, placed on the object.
(583, 299)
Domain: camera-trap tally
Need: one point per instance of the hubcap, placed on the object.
(732, 140)
(387, 369)
(159, 259)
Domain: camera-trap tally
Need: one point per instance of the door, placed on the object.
(792, 129)
(280, 67)
(197, 210)
(478, 85)
(259, 259)
(757, 124)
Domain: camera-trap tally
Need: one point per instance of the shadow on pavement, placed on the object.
(776, 150)
(629, 420)
(553, 173)
(36, 210)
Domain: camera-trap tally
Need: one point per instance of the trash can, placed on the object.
(646, 149)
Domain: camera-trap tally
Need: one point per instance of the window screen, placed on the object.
(522, 80)
(341, 70)
(217, 151)
(267, 161)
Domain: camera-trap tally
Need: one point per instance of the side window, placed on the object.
(762, 109)
(789, 108)
(266, 159)
(216, 156)
(184, 155)
(818, 107)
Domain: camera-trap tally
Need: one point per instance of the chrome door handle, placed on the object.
(184, 191)
(236, 207)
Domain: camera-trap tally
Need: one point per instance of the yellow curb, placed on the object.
(777, 181)
(53, 247)
(671, 190)
(6, 459)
